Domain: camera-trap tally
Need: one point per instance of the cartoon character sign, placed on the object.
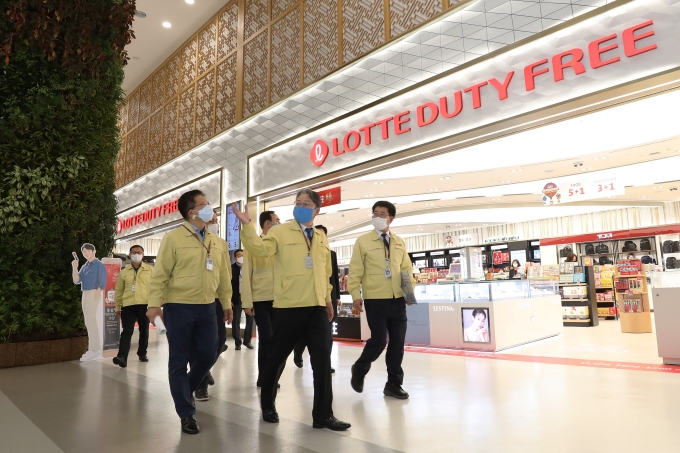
(549, 191)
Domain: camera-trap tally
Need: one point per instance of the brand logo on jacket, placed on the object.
(573, 62)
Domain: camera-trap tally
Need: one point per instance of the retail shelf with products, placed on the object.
(579, 308)
(631, 297)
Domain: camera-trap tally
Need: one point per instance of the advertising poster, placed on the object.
(233, 228)
(476, 325)
(111, 321)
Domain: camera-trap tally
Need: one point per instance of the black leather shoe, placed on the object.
(248, 345)
(395, 391)
(190, 426)
(201, 395)
(297, 361)
(237, 347)
(120, 362)
(333, 424)
(143, 358)
(357, 382)
(332, 370)
(211, 380)
(224, 348)
(270, 415)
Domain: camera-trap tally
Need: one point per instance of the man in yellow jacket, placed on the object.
(378, 259)
(302, 303)
(257, 292)
(131, 305)
(192, 267)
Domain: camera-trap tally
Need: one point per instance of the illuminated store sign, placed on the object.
(147, 216)
(617, 46)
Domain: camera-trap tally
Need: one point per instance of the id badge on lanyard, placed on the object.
(388, 271)
(208, 260)
(209, 263)
(308, 258)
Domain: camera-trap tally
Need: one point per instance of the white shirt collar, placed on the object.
(304, 228)
(380, 233)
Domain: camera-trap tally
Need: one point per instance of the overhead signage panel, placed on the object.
(620, 45)
(581, 189)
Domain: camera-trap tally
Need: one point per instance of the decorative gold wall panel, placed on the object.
(207, 48)
(227, 31)
(280, 6)
(256, 17)
(236, 77)
(133, 110)
(363, 27)
(172, 76)
(255, 74)
(286, 56)
(321, 38)
(407, 14)
(155, 148)
(185, 120)
(205, 106)
(225, 109)
(157, 89)
(142, 154)
(144, 100)
(170, 131)
(189, 63)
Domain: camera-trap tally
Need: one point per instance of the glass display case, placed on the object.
(491, 291)
(435, 293)
(667, 279)
(543, 288)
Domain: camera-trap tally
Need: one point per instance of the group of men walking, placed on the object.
(283, 280)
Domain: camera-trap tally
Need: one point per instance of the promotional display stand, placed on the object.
(631, 297)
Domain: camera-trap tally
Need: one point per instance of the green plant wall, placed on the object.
(61, 68)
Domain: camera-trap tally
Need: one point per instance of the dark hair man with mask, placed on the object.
(236, 275)
(302, 303)
(192, 267)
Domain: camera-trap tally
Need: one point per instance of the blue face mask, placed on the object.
(206, 213)
(302, 214)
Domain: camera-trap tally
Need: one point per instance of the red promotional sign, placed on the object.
(111, 322)
(330, 197)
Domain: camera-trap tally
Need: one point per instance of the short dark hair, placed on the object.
(316, 198)
(237, 250)
(187, 202)
(571, 258)
(265, 216)
(136, 246)
(478, 311)
(88, 246)
(391, 210)
(322, 228)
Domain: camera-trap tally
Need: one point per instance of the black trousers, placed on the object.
(302, 344)
(236, 326)
(289, 324)
(263, 319)
(385, 317)
(221, 339)
(129, 316)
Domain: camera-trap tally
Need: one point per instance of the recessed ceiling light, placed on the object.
(645, 196)
(590, 168)
(378, 182)
(191, 2)
(349, 221)
(167, 24)
(597, 158)
(549, 171)
(603, 157)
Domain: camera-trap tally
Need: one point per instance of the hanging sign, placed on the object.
(582, 189)
(330, 197)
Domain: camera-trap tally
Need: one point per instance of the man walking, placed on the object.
(302, 303)
(257, 292)
(236, 276)
(92, 280)
(335, 298)
(378, 259)
(131, 305)
(192, 266)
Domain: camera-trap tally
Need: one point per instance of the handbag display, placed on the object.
(565, 251)
(675, 247)
(667, 246)
(590, 249)
(604, 260)
(629, 246)
(602, 248)
(647, 259)
(670, 262)
(645, 244)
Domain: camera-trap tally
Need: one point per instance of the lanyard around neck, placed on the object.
(199, 240)
(386, 247)
(308, 242)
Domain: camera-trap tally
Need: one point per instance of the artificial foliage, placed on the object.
(61, 69)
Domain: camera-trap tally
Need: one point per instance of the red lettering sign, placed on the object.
(562, 65)
(146, 216)
(330, 197)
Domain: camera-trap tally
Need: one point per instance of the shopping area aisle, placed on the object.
(457, 404)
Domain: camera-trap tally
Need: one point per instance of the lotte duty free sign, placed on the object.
(619, 45)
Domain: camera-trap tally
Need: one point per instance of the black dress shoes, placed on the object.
(237, 347)
(224, 348)
(143, 358)
(211, 380)
(120, 362)
(332, 370)
(333, 424)
(270, 415)
(190, 426)
(201, 395)
(248, 345)
(357, 382)
(395, 390)
(297, 361)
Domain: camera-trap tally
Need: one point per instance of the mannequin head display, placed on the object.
(384, 213)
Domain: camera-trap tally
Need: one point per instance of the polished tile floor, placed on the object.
(457, 404)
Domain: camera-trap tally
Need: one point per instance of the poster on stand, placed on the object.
(476, 325)
(111, 321)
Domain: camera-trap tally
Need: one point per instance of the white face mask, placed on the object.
(379, 223)
(136, 257)
(239, 260)
(214, 228)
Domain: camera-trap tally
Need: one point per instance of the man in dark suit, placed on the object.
(335, 298)
(238, 308)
